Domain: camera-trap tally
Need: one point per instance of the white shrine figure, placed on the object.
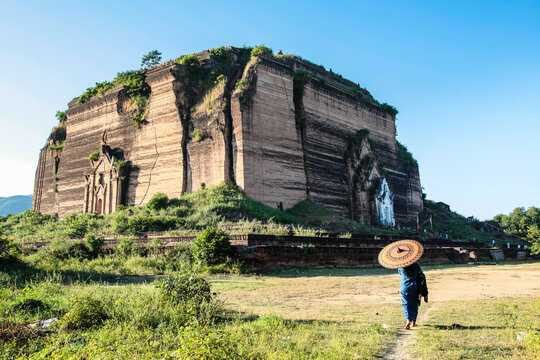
(385, 205)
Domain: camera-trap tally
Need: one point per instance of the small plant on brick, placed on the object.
(197, 135)
(94, 156)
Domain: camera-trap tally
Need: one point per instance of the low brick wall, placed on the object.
(263, 252)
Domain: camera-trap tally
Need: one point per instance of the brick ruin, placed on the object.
(282, 129)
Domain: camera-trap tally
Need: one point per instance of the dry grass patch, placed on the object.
(490, 329)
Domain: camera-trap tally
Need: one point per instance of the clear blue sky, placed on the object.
(465, 75)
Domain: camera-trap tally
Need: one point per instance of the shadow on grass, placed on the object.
(471, 327)
(20, 273)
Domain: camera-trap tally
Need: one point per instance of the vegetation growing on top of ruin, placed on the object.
(152, 59)
(220, 54)
(389, 109)
(61, 116)
(137, 90)
(406, 156)
(192, 65)
(261, 50)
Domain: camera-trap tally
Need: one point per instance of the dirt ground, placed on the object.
(333, 296)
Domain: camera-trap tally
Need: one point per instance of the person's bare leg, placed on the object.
(413, 323)
(408, 325)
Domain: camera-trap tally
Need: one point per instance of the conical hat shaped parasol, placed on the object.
(400, 254)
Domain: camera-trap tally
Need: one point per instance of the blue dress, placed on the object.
(410, 291)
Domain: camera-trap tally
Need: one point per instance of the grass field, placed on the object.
(293, 314)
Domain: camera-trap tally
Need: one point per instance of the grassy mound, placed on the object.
(458, 227)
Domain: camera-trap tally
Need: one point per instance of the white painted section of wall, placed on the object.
(385, 205)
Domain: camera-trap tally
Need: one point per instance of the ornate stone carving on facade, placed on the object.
(385, 205)
(103, 184)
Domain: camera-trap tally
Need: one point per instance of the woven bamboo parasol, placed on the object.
(400, 254)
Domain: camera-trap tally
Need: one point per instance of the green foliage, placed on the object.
(94, 244)
(86, 312)
(283, 57)
(212, 247)
(242, 85)
(362, 133)
(519, 221)
(137, 90)
(77, 226)
(57, 146)
(299, 78)
(192, 65)
(261, 50)
(533, 235)
(153, 58)
(158, 201)
(61, 116)
(94, 156)
(126, 247)
(389, 109)
(8, 248)
(406, 156)
(184, 288)
(219, 54)
(121, 167)
(197, 135)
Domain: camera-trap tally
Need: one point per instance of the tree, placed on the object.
(153, 58)
(519, 221)
(533, 235)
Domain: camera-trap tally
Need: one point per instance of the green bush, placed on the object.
(8, 248)
(389, 109)
(86, 312)
(219, 54)
(212, 247)
(184, 288)
(139, 224)
(127, 247)
(192, 65)
(261, 50)
(120, 223)
(158, 201)
(66, 249)
(77, 225)
(94, 244)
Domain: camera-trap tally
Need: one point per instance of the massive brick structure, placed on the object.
(282, 129)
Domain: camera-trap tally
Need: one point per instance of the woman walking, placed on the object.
(403, 255)
(411, 282)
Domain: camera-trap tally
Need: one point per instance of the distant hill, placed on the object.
(15, 204)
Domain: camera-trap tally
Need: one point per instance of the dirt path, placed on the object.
(405, 339)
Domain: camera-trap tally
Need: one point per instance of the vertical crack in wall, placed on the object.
(299, 80)
(235, 74)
